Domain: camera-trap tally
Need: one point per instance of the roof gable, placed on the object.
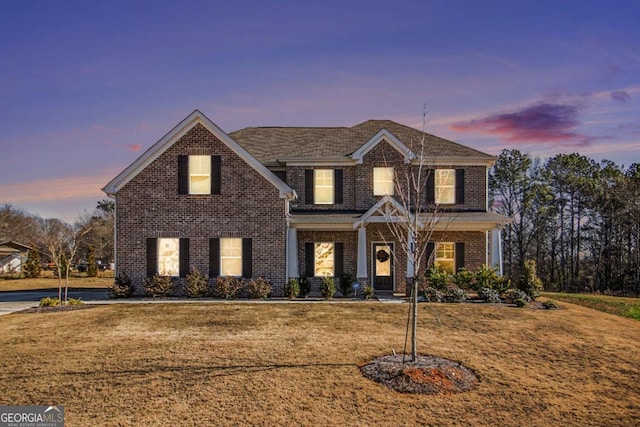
(157, 149)
(382, 135)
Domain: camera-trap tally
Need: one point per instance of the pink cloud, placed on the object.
(134, 147)
(540, 123)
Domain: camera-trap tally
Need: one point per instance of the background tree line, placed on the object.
(89, 238)
(577, 218)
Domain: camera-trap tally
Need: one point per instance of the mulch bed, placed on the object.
(427, 375)
(57, 308)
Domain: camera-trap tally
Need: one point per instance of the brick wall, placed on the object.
(149, 206)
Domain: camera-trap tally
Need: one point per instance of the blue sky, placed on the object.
(85, 86)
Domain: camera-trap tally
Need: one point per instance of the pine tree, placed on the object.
(32, 267)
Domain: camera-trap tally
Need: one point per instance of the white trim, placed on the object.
(318, 161)
(455, 161)
(368, 216)
(382, 135)
(157, 149)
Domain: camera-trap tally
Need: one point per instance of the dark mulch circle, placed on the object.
(57, 308)
(427, 375)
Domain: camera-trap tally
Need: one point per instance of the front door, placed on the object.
(383, 266)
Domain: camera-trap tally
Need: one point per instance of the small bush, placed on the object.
(529, 281)
(433, 295)
(520, 302)
(32, 267)
(197, 284)
(454, 294)
(49, 302)
(367, 292)
(464, 279)
(228, 287)
(258, 288)
(305, 287)
(75, 301)
(487, 277)
(292, 288)
(550, 305)
(158, 286)
(121, 287)
(489, 295)
(437, 279)
(327, 287)
(512, 296)
(346, 284)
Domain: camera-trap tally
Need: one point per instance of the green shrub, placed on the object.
(121, 287)
(32, 267)
(346, 284)
(512, 296)
(464, 279)
(305, 287)
(197, 284)
(487, 277)
(158, 286)
(228, 287)
(433, 295)
(489, 295)
(75, 301)
(292, 288)
(49, 302)
(454, 294)
(437, 279)
(92, 267)
(258, 288)
(529, 281)
(327, 287)
(367, 292)
(550, 305)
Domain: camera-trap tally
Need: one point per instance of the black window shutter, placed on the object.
(338, 259)
(309, 262)
(214, 257)
(152, 257)
(431, 186)
(281, 174)
(459, 186)
(338, 178)
(184, 257)
(308, 186)
(247, 257)
(216, 174)
(183, 174)
(459, 254)
(430, 248)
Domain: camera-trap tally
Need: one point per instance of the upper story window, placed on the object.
(383, 181)
(323, 187)
(231, 257)
(445, 257)
(199, 174)
(445, 186)
(168, 257)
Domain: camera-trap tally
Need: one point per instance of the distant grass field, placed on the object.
(297, 364)
(620, 306)
(104, 280)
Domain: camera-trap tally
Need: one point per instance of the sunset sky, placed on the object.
(86, 87)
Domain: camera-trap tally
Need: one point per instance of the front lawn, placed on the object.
(298, 364)
(49, 282)
(620, 306)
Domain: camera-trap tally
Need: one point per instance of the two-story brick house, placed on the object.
(290, 202)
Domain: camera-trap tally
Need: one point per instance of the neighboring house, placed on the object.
(12, 256)
(289, 202)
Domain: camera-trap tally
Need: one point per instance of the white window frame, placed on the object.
(200, 168)
(440, 193)
(324, 179)
(316, 272)
(383, 181)
(230, 253)
(168, 262)
(446, 252)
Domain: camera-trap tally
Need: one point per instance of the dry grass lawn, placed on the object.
(297, 364)
(49, 282)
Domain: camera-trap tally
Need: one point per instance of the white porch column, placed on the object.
(410, 261)
(362, 253)
(292, 253)
(496, 250)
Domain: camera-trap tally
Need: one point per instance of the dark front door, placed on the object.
(383, 266)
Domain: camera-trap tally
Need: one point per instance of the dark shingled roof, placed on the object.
(269, 144)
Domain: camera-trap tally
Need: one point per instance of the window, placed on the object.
(445, 257)
(231, 257)
(169, 257)
(445, 186)
(382, 181)
(323, 193)
(324, 259)
(199, 174)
